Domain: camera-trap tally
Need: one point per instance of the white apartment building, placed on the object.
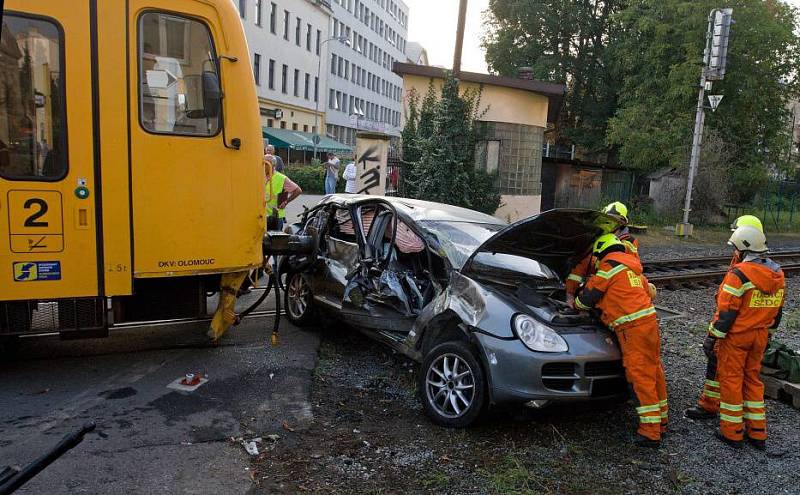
(286, 38)
(363, 92)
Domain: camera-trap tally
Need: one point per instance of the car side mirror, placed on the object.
(212, 94)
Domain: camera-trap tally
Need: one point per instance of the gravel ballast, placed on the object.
(369, 434)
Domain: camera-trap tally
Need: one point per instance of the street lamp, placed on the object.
(341, 39)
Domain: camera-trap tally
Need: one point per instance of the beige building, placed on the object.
(287, 40)
(517, 113)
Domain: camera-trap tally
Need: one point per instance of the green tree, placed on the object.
(409, 134)
(657, 53)
(446, 137)
(562, 41)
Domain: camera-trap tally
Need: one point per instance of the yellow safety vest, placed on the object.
(275, 187)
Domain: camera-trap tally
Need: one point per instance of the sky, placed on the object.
(433, 23)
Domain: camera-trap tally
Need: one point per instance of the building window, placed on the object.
(258, 12)
(296, 82)
(283, 124)
(257, 68)
(305, 127)
(332, 100)
(306, 87)
(319, 39)
(316, 88)
(297, 32)
(242, 8)
(269, 122)
(271, 74)
(284, 77)
(308, 37)
(273, 13)
(286, 25)
(333, 64)
(294, 127)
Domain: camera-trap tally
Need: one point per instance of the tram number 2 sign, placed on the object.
(35, 221)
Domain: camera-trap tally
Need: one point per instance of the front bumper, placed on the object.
(591, 369)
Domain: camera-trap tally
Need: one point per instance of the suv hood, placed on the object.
(556, 238)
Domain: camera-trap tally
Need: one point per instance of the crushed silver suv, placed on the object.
(478, 303)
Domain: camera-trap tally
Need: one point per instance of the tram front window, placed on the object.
(174, 55)
(32, 129)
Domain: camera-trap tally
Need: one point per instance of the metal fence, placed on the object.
(394, 175)
(777, 205)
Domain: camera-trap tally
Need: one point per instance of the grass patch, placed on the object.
(513, 477)
(435, 480)
(547, 475)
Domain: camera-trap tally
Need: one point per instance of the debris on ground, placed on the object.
(369, 434)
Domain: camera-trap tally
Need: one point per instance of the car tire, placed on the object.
(452, 385)
(298, 302)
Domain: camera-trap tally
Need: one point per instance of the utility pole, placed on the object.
(714, 63)
(462, 19)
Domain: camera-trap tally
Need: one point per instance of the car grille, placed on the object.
(609, 387)
(603, 368)
(560, 384)
(559, 369)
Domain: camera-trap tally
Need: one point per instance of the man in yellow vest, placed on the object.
(279, 192)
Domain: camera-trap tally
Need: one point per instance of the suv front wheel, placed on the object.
(298, 300)
(451, 385)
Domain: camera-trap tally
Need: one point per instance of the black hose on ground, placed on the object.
(258, 302)
(277, 286)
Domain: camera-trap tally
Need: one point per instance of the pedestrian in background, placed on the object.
(349, 175)
(270, 150)
(331, 173)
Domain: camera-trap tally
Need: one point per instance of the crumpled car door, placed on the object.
(380, 294)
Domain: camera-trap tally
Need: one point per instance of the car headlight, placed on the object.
(538, 337)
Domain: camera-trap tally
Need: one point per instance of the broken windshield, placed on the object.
(460, 239)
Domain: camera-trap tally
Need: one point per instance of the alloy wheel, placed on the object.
(450, 385)
(299, 294)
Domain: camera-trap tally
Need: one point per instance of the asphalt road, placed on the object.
(151, 439)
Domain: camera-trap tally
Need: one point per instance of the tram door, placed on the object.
(48, 186)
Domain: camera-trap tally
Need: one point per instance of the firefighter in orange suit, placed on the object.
(585, 268)
(708, 405)
(749, 307)
(620, 291)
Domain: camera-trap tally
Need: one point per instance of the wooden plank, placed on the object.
(776, 388)
(793, 390)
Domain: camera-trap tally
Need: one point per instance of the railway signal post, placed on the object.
(714, 63)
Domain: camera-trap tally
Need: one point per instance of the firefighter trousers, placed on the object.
(640, 343)
(741, 407)
(709, 397)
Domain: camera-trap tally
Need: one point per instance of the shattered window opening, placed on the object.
(460, 239)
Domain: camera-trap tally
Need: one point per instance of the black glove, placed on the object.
(708, 345)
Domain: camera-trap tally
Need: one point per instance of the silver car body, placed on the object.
(478, 297)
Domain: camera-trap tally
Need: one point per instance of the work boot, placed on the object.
(758, 444)
(697, 412)
(642, 441)
(736, 444)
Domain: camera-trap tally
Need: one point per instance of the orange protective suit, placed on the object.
(749, 304)
(709, 397)
(585, 268)
(619, 291)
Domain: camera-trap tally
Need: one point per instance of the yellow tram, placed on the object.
(130, 161)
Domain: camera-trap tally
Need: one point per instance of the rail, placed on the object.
(705, 271)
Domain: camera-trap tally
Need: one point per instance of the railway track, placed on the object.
(706, 271)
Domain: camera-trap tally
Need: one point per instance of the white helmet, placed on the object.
(747, 238)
